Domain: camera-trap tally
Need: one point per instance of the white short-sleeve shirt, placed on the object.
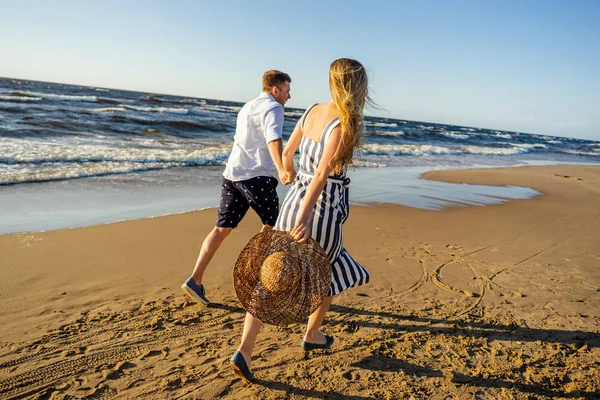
(259, 122)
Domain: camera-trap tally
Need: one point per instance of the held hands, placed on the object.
(287, 177)
(300, 232)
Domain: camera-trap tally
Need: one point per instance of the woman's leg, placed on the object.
(314, 323)
(251, 328)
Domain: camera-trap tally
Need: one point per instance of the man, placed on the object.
(248, 179)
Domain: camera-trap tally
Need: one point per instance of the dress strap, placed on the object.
(303, 118)
(329, 128)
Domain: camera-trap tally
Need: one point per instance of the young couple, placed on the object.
(317, 203)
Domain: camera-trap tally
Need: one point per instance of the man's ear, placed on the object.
(274, 91)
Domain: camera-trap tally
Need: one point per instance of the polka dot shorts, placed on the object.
(258, 193)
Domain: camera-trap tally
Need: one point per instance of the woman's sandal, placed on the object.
(307, 346)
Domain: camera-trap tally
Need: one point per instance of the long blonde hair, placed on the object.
(349, 88)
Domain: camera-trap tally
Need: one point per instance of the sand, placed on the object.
(493, 302)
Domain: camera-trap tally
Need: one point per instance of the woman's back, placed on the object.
(317, 119)
(316, 124)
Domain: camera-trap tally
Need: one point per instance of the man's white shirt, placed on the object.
(259, 122)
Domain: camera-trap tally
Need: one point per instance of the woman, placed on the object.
(317, 203)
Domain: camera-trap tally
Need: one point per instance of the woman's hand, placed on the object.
(287, 177)
(300, 232)
(291, 175)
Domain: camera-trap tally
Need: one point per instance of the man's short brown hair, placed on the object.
(274, 78)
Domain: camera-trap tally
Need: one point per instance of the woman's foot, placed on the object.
(240, 363)
(315, 341)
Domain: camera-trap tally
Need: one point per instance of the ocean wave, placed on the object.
(94, 150)
(294, 114)
(188, 100)
(219, 107)
(502, 135)
(19, 99)
(59, 172)
(381, 124)
(362, 163)
(124, 107)
(583, 152)
(156, 109)
(530, 145)
(405, 149)
(201, 124)
(454, 135)
(426, 149)
(53, 96)
(109, 109)
(501, 151)
(386, 133)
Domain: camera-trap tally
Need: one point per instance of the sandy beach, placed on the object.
(474, 302)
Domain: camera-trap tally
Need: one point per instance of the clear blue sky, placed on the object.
(527, 66)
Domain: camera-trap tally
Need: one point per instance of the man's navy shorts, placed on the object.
(258, 193)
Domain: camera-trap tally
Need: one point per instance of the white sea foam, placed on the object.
(529, 145)
(381, 124)
(554, 141)
(386, 133)
(217, 107)
(110, 109)
(503, 135)
(493, 150)
(23, 99)
(426, 149)
(31, 160)
(294, 114)
(156, 109)
(369, 164)
(583, 153)
(53, 96)
(455, 135)
(102, 90)
(406, 149)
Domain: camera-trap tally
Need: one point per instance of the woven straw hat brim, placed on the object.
(295, 303)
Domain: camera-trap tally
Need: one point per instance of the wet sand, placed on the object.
(497, 301)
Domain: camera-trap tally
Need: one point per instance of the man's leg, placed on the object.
(232, 208)
(209, 248)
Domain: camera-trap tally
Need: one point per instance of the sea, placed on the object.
(78, 155)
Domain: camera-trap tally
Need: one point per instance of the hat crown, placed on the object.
(280, 272)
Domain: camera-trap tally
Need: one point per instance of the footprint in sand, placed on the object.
(568, 177)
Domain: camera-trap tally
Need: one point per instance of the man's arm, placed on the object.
(273, 135)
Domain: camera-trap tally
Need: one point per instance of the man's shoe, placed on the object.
(195, 291)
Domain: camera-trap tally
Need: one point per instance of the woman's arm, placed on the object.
(301, 231)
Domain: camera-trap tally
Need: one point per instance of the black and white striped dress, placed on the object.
(329, 213)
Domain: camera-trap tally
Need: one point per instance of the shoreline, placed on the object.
(96, 201)
(499, 301)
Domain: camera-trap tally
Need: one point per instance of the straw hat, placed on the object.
(280, 281)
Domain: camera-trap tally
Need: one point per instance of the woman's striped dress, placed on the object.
(330, 212)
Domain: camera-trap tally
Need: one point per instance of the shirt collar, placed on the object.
(266, 95)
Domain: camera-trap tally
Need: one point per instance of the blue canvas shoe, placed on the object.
(195, 291)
